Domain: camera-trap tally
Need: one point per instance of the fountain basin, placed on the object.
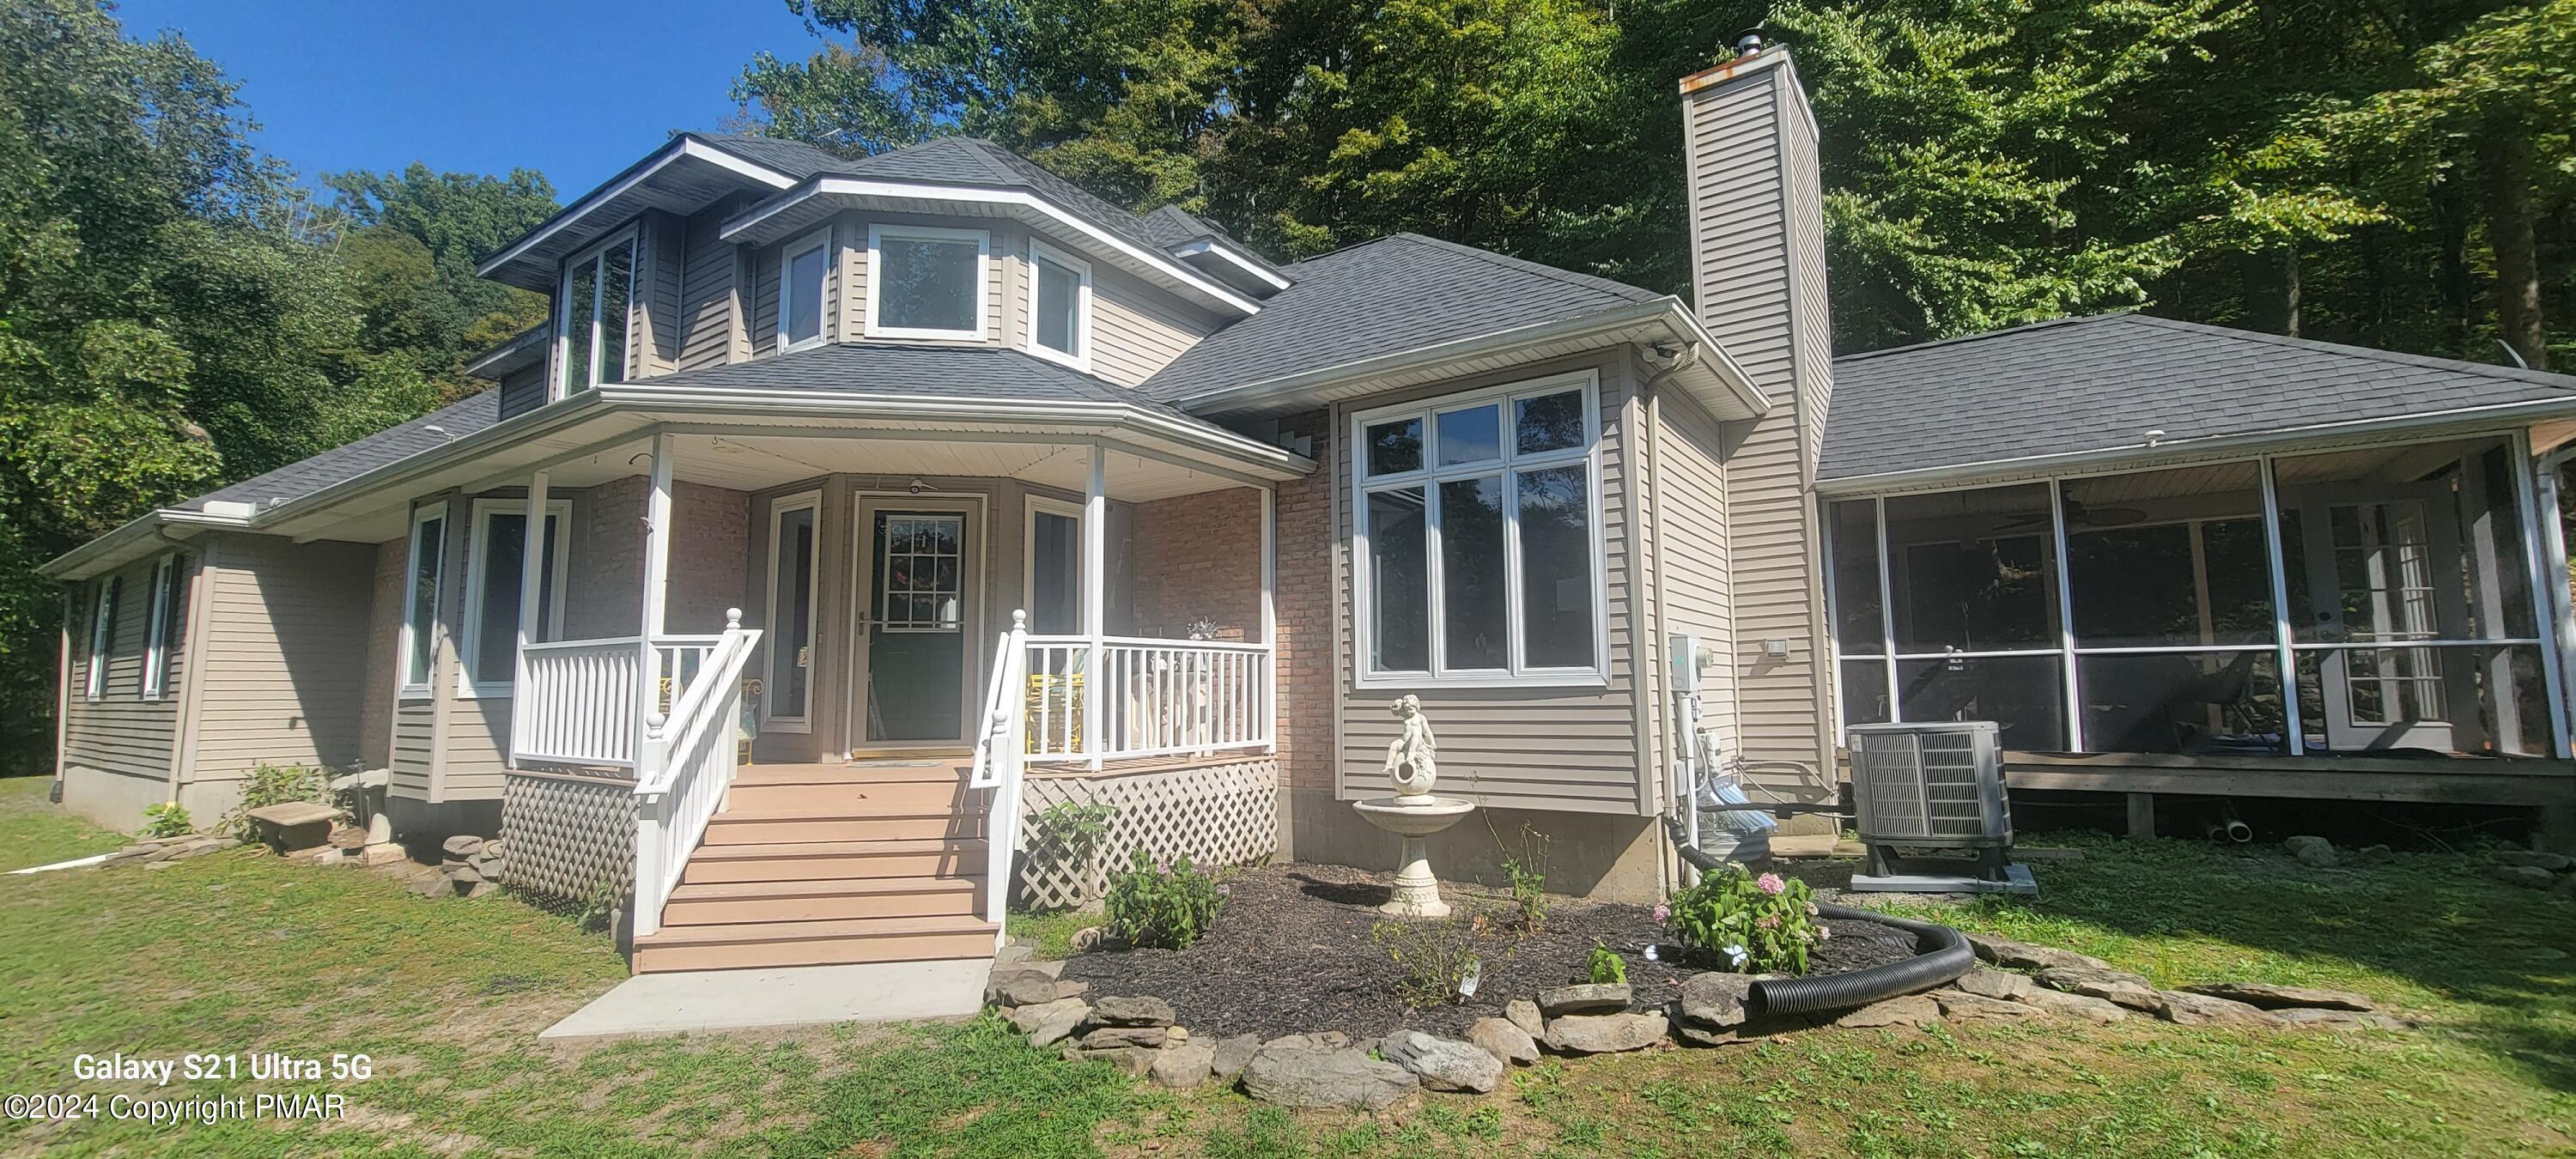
(1416, 893)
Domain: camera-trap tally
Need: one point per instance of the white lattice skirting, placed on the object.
(1221, 814)
(568, 834)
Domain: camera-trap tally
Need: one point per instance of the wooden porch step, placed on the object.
(737, 902)
(853, 773)
(757, 945)
(841, 798)
(835, 860)
(744, 827)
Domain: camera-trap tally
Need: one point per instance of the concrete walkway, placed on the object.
(703, 1000)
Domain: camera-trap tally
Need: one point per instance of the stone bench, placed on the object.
(294, 825)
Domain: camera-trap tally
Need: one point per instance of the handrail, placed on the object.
(1000, 764)
(997, 702)
(686, 766)
(1060, 640)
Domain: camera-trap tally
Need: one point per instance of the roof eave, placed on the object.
(685, 145)
(521, 350)
(1235, 257)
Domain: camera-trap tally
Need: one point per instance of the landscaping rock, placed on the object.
(432, 885)
(2373, 855)
(1175, 1035)
(1505, 1040)
(1961, 1005)
(1049, 1023)
(1754, 1030)
(464, 875)
(1183, 1067)
(2002, 984)
(1523, 1013)
(2127, 989)
(2535, 859)
(1443, 1064)
(1916, 1010)
(1590, 998)
(483, 889)
(2270, 997)
(1012, 957)
(2312, 851)
(1146, 1011)
(2327, 1018)
(1717, 999)
(2025, 956)
(384, 853)
(1326, 1079)
(1231, 1055)
(2083, 1006)
(2525, 876)
(1030, 988)
(1111, 1037)
(2184, 1009)
(462, 845)
(1134, 1060)
(1604, 1033)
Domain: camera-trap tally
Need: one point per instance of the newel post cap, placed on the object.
(733, 618)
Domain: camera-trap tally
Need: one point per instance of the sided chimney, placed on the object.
(1758, 277)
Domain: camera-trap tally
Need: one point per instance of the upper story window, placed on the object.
(1059, 306)
(594, 303)
(420, 596)
(927, 283)
(1478, 544)
(102, 633)
(494, 589)
(803, 268)
(169, 602)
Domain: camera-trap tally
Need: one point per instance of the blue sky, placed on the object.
(577, 91)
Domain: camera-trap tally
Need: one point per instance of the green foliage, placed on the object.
(276, 785)
(598, 913)
(167, 819)
(1439, 960)
(1170, 905)
(1735, 920)
(1526, 869)
(1068, 835)
(1602, 967)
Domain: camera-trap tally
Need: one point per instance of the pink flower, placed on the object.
(1770, 883)
(1768, 921)
(1663, 913)
(1824, 933)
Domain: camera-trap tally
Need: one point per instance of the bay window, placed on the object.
(420, 597)
(493, 590)
(591, 312)
(1478, 543)
(1059, 306)
(927, 283)
(803, 268)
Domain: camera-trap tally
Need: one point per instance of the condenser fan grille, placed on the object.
(1930, 784)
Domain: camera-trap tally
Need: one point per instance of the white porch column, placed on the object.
(1095, 619)
(657, 574)
(532, 586)
(1270, 619)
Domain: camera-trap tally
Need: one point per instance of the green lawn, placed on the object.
(238, 952)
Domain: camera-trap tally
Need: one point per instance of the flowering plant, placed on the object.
(1758, 924)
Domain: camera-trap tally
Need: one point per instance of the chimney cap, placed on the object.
(1750, 42)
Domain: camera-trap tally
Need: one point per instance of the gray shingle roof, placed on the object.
(976, 161)
(793, 158)
(973, 373)
(1171, 225)
(350, 460)
(1396, 293)
(2100, 383)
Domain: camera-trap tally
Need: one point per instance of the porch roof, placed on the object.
(2099, 390)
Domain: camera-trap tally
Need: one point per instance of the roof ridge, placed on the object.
(2398, 357)
(1507, 261)
(1956, 339)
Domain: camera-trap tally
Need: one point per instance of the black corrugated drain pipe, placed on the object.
(1943, 955)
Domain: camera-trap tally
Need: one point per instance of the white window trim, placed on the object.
(1428, 477)
(983, 239)
(779, 508)
(102, 634)
(156, 631)
(560, 511)
(559, 379)
(787, 254)
(420, 517)
(1047, 505)
(1080, 358)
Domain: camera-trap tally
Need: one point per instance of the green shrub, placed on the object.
(1161, 905)
(1439, 959)
(168, 819)
(1604, 968)
(1067, 837)
(1527, 870)
(276, 785)
(1735, 920)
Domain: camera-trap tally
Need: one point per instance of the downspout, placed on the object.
(1650, 392)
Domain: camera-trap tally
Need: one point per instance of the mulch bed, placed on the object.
(1293, 954)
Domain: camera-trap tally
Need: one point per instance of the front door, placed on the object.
(2372, 564)
(920, 588)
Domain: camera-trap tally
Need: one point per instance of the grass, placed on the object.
(239, 952)
(1051, 932)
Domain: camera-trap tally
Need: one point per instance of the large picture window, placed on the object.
(494, 589)
(420, 597)
(927, 283)
(592, 307)
(169, 603)
(1478, 540)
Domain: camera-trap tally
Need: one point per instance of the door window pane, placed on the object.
(2183, 702)
(1556, 567)
(1471, 436)
(1059, 306)
(1548, 422)
(1472, 576)
(1973, 570)
(1858, 627)
(927, 283)
(791, 643)
(1399, 604)
(2022, 694)
(803, 308)
(1394, 448)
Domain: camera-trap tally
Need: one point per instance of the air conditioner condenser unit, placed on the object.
(1932, 809)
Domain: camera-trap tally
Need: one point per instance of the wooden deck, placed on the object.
(2458, 780)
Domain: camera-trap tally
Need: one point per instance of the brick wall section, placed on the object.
(1304, 607)
(712, 536)
(1198, 556)
(712, 528)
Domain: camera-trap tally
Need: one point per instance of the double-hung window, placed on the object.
(493, 589)
(592, 305)
(1059, 306)
(1478, 538)
(927, 283)
(420, 596)
(804, 267)
(169, 589)
(102, 633)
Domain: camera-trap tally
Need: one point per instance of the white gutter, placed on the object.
(1208, 245)
(684, 146)
(828, 186)
(1667, 310)
(2201, 448)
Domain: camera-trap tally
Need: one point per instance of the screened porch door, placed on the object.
(2371, 563)
(920, 588)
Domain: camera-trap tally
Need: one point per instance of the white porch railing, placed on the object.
(579, 702)
(688, 761)
(1000, 763)
(1158, 697)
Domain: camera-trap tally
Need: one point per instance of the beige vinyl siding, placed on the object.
(384, 641)
(523, 390)
(282, 684)
(657, 295)
(121, 732)
(708, 327)
(414, 747)
(1136, 329)
(763, 267)
(1571, 749)
(1690, 526)
(1751, 279)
